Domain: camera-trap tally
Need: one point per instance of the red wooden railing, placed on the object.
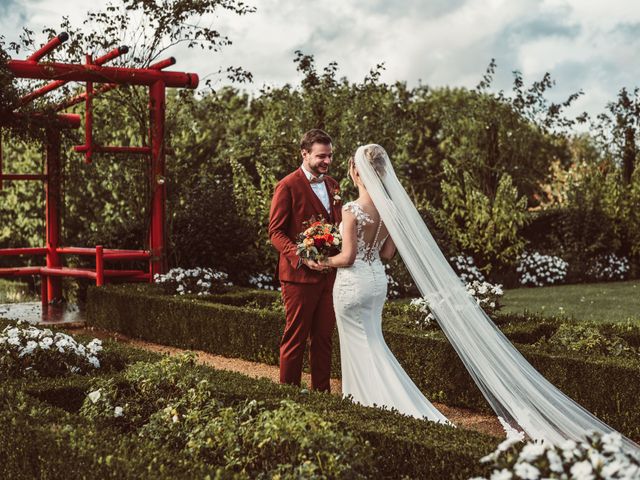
(94, 71)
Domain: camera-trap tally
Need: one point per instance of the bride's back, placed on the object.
(370, 229)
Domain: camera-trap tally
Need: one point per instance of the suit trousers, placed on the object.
(309, 318)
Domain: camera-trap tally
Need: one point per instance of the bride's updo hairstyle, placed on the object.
(377, 157)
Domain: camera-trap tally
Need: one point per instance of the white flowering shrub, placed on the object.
(597, 457)
(393, 287)
(422, 305)
(263, 281)
(608, 267)
(196, 281)
(466, 268)
(486, 294)
(540, 270)
(28, 350)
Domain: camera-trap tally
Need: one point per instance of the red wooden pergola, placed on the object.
(93, 71)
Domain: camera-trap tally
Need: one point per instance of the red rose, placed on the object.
(319, 241)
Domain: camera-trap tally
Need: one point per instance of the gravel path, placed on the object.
(461, 417)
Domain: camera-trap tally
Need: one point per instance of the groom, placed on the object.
(306, 286)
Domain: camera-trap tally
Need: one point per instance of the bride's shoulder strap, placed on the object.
(356, 209)
(350, 207)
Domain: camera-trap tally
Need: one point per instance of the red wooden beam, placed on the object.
(167, 62)
(108, 252)
(76, 250)
(116, 149)
(94, 73)
(19, 271)
(48, 47)
(68, 272)
(116, 52)
(70, 120)
(23, 251)
(126, 256)
(22, 176)
(111, 86)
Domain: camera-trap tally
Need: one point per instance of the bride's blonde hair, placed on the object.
(377, 157)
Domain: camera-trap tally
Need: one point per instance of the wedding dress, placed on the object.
(371, 375)
(521, 396)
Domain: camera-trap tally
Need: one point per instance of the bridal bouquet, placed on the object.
(319, 240)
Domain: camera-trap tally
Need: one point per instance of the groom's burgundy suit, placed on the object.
(307, 294)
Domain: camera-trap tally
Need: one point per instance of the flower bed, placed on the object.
(28, 350)
(181, 420)
(607, 386)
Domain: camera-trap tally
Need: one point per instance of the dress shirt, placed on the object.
(320, 189)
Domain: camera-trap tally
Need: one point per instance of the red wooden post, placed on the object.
(0, 159)
(99, 266)
(52, 192)
(48, 47)
(88, 119)
(157, 245)
(44, 298)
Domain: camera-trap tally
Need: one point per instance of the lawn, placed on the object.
(12, 291)
(599, 302)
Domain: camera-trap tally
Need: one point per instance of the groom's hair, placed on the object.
(314, 135)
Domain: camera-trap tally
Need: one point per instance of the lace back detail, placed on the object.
(369, 252)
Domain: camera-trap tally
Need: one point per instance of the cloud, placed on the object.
(584, 44)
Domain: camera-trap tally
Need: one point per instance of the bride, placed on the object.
(370, 372)
(382, 219)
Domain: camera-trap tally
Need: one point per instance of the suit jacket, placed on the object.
(294, 203)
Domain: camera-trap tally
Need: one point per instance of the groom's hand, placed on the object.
(313, 265)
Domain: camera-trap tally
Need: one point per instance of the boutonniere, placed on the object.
(336, 196)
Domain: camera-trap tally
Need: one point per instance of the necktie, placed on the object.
(315, 179)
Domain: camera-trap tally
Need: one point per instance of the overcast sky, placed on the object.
(591, 45)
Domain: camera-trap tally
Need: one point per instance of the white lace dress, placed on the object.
(370, 372)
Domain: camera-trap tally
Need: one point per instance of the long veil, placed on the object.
(513, 387)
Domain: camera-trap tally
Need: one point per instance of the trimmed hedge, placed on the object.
(44, 437)
(608, 387)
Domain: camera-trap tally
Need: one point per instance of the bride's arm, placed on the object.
(347, 255)
(388, 249)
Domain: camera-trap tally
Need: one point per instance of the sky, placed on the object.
(588, 45)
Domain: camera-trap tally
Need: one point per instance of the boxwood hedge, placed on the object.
(240, 324)
(43, 435)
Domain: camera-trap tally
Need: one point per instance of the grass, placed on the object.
(12, 291)
(597, 302)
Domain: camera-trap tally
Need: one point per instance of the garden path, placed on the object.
(461, 417)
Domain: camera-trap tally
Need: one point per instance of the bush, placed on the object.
(485, 294)
(539, 270)
(466, 268)
(198, 281)
(208, 228)
(195, 415)
(598, 456)
(587, 340)
(431, 362)
(28, 350)
(608, 267)
(170, 405)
